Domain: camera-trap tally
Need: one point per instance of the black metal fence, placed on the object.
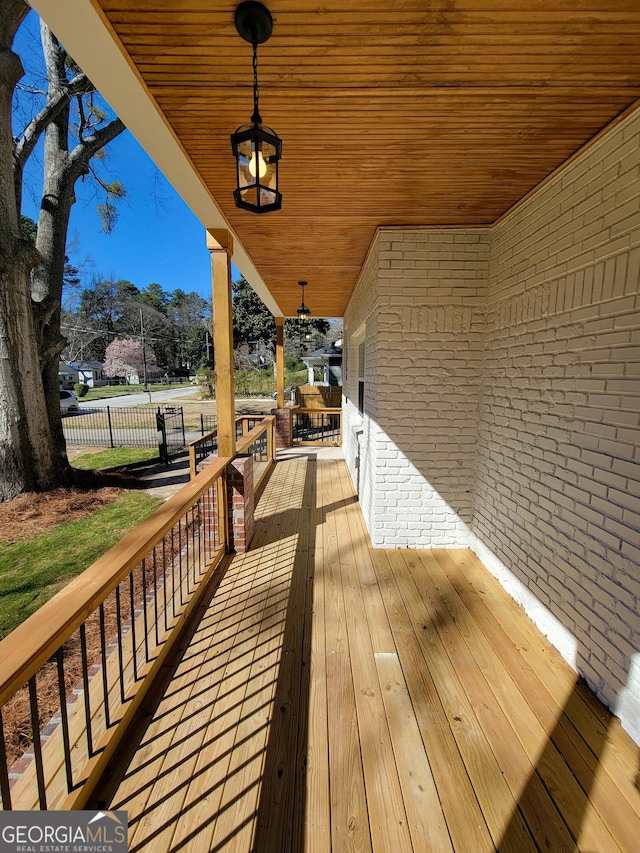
(208, 423)
(259, 449)
(316, 426)
(133, 426)
(170, 435)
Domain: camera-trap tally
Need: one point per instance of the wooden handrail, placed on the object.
(301, 410)
(203, 439)
(208, 436)
(251, 437)
(33, 642)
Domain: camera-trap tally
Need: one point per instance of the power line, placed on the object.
(99, 332)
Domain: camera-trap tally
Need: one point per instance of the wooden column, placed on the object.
(220, 244)
(280, 362)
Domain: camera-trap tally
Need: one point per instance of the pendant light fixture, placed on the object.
(256, 147)
(303, 311)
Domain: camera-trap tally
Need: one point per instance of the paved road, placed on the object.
(141, 399)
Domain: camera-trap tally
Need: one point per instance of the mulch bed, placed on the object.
(35, 512)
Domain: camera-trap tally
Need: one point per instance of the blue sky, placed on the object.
(156, 237)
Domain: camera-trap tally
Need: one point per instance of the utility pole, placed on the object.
(208, 345)
(144, 356)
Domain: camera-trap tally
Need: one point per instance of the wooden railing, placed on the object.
(259, 441)
(316, 426)
(200, 448)
(259, 428)
(74, 674)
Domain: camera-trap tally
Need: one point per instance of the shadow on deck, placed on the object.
(332, 697)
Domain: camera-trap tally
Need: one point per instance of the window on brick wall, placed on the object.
(361, 362)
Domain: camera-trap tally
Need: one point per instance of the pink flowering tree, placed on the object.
(125, 357)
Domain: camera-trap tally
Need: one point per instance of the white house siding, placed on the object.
(558, 485)
(503, 401)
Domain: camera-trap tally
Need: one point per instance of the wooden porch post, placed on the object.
(220, 244)
(280, 362)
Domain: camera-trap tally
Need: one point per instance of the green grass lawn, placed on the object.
(106, 391)
(34, 571)
(113, 458)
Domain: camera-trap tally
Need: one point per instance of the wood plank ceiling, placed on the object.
(413, 112)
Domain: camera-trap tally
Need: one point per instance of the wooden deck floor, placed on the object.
(335, 698)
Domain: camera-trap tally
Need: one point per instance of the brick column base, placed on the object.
(240, 499)
(241, 502)
(283, 428)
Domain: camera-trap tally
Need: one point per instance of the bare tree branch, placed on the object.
(84, 151)
(79, 85)
(82, 123)
(30, 90)
(39, 123)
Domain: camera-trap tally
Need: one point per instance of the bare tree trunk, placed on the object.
(32, 446)
(62, 168)
(51, 240)
(26, 442)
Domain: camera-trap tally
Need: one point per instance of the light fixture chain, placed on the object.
(256, 119)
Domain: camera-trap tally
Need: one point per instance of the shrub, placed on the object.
(294, 363)
(207, 381)
(80, 389)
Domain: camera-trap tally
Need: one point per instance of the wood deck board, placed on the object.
(516, 737)
(348, 809)
(522, 697)
(431, 623)
(590, 740)
(337, 698)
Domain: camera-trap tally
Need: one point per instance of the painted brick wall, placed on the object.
(432, 297)
(558, 486)
(424, 362)
(361, 323)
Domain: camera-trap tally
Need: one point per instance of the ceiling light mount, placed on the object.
(253, 21)
(256, 147)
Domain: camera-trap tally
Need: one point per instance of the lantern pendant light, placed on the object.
(256, 147)
(303, 311)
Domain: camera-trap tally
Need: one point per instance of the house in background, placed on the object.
(67, 376)
(90, 372)
(472, 210)
(329, 360)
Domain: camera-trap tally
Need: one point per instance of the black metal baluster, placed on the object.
(64, 719)
(85, 684)
(180, 558)
(165, 568)
(105, 682)
(119, 641)
(5, 790)
(37, 743)
(144, 611)
(155, 593)
(173, 571)
(134, 646)
(199, 534)
(186, 536)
